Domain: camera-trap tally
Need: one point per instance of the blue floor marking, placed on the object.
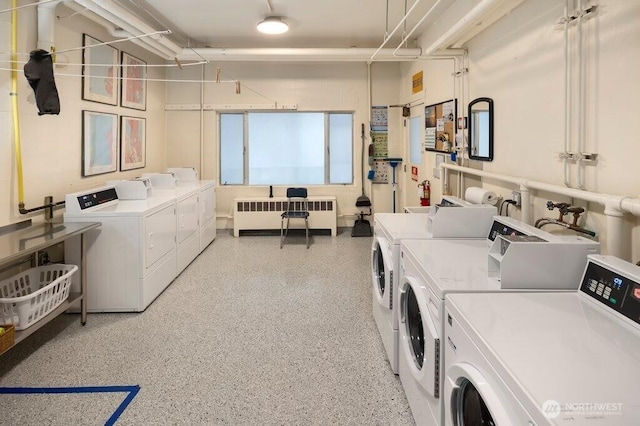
(131, 391)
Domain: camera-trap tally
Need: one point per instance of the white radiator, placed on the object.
(250, 214)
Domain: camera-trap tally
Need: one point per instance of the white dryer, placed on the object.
(132, 256)
(547, 358)
(429, 270)
(452, 218)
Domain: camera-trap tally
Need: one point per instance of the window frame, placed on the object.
(245, 145)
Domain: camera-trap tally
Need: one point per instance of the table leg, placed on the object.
(83, 280)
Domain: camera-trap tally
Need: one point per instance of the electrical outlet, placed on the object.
(43, 258)
(517, 197)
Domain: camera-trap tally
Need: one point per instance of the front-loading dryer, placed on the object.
(570, 358)
(452, 218)
(432, 269)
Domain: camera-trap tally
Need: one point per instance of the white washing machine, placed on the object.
(547, 359)
(432, 269)
(460, 219)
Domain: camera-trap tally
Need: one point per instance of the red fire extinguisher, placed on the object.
(425, 198)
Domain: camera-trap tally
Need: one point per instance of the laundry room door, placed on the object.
(382, 271)
(419, 338)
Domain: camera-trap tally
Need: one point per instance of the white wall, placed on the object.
(310, 86)
(52, 145)
(519, 63)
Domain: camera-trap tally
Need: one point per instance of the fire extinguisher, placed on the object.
(425, 197)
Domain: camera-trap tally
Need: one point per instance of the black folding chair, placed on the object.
(297, 208)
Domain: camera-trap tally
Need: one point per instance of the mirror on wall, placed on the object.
(481, 129)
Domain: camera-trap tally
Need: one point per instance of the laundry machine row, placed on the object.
(431, 270)
(546, 358)
(451, 218)
(143, 243)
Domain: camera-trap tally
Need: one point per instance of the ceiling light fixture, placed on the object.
(273, 25)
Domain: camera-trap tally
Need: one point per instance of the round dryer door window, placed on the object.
(469, 407)
(414, 328)
(380, 271)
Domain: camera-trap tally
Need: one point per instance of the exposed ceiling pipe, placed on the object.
(435, 8)
(46, 25)
(388, 37)
(472, 19)
(111, 28)
(351, 54)
(132, 24)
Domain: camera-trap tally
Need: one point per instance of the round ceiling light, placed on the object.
(273, 25)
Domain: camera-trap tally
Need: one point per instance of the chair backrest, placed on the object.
(296, 192)
(302, 204)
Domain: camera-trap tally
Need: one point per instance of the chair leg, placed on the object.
(281, 231)
(306, 225)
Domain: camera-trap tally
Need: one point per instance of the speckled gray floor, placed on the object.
(248, 334)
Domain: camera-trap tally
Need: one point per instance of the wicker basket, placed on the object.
(29, 296)
(8, 338)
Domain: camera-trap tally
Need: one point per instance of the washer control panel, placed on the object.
(614, 283)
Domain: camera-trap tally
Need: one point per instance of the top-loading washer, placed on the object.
(452, 218)
(432, 269)
(547, 358)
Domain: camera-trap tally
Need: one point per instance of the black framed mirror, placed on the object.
(481, 129)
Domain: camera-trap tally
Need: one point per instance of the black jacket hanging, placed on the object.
(39, 73)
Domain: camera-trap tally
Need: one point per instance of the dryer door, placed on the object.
(472, 400)
(419, 340)
(382, 271)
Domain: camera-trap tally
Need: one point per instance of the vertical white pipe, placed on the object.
(615, 234)
(567, 95)
(202, 122)
(581, 100)
(525, 201)
(46, 25)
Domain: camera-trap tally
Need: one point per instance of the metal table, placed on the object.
(21, 243)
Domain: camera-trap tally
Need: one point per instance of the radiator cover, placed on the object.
(262, 213)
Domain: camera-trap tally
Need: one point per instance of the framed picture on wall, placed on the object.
(132, 143)
(134, 82)
(99, 72)
(99, 143)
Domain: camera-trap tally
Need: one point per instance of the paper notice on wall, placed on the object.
(380, 144)
(448, 111)
(430, 138)
(379, 118)
(440, 125)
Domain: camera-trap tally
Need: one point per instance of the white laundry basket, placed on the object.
(29, 296)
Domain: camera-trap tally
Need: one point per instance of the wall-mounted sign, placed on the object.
(416, 83)
(414, 173)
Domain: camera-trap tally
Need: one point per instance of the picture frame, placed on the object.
(440, 126)
(133, 145)
(99, 71)
(99, 143)
(134, 82)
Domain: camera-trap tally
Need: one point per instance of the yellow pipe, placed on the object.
(14, 100)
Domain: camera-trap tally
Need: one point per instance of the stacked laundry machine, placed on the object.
(431, 270)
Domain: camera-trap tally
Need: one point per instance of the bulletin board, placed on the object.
(439, 126)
